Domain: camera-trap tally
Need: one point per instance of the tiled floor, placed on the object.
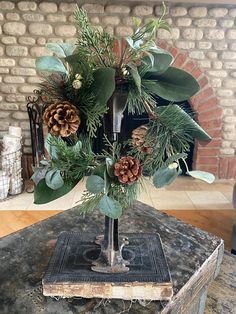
(184, 194)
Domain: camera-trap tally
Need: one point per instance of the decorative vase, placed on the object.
(110, 259)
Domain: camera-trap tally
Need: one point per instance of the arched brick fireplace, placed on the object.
(209, 115)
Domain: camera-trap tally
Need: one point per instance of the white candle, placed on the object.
(11, 143)
(15, 130)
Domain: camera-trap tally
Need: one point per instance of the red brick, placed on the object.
(208, 104)
(207, 160)
(179, 61)
(197, 72)
(215, 133)
(203, 81)
(212, 114)
(223, 170)
(212, 143)
(203, 95)
(208, 152)
(209, 125)
(232, 168)
(194, 104)
(116, 48)
(173, 51)
(163, 45)
(189, 66)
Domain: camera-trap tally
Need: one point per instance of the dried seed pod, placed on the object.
(128, 170)
(62, 118)
(138, 139)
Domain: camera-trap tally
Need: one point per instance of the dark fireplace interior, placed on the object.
(130, 122)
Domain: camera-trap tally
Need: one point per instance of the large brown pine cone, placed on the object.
(138, 139)
(62, 118)
(128, 170)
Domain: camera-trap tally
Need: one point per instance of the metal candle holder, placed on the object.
(110, 259)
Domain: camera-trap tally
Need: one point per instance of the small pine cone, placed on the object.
(138, 139)
(62, 118)
(128, 170)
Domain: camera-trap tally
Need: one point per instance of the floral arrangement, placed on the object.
(82, 83)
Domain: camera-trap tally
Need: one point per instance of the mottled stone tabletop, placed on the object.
(193, 255)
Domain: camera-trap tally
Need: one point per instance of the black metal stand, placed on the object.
(110, 259)
(35, 108)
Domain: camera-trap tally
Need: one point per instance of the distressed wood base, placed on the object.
(69, 273)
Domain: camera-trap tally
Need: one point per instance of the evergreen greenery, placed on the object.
(87, 75)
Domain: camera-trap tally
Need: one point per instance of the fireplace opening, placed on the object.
(131, 122)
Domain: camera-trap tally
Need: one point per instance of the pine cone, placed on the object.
(62, 118)
(128, 170)
(138, 139)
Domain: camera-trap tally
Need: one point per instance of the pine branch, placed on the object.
(95, 46)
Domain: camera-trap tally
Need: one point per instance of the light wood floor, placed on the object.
(214, 221)
(205, 206)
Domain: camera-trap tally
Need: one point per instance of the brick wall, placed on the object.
(206, 33)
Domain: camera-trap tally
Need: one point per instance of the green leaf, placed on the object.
(161, 61)
(51, 149)
(188, 124)
(109, 167)
(110, 207)
(103, 84)
(99, 170)
(135, 44)
(202, 175)
(173, 85)
(95, 184)
(39, 174)
(135, 74)
(50, 64)
(77, 146)
(43, 194)
(54, 179)
(164, 176)
(44, 162)
(175, 157)
(61, 49)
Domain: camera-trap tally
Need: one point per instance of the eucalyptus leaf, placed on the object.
(61, 49)
(51, 149)
(95, 184)
(54, 179)
(164, 176)
(39, 174)
(43, 194)
(134, 44)
(202, 175)
(50, 64)
(175, 157)
(130, 42)
(136, 77)
(44, 162)
(110, 207)
(103, 84)
(173, 85)
(159, 62)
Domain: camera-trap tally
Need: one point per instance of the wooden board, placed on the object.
(69, 273)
